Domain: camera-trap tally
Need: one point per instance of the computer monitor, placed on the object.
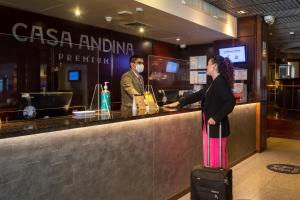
(74, 75)
(172, 67)
(1, 85)
(236, 54)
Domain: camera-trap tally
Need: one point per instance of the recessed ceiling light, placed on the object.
(292, 33)
(108, 18)
(215, 16)
(141, 30)
(139, 9)
(270, 33)
(177, 39)
(182, 46)
(123, 12)
(242, 12)
(77, 12)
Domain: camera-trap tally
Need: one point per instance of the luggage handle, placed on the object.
(220, 145)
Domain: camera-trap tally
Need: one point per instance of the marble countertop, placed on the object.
(36, 126)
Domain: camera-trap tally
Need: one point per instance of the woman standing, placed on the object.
(217, 101)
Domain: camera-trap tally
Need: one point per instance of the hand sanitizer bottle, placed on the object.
(105, 99)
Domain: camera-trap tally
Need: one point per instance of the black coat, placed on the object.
(217, 101)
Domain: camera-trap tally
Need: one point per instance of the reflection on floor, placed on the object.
(284, 124)
(252, 180)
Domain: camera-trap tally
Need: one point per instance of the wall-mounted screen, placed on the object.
(172, 67)
(74, 75)
(235, 54)
(1, 85)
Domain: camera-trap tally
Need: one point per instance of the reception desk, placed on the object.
(139, 157)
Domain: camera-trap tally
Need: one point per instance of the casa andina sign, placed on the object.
(97, 49)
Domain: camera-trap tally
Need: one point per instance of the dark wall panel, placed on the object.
(198, 50)
(246, 27)
(166, 50)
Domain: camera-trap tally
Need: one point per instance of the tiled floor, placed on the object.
(252, 180)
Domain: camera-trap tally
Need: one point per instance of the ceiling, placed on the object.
(287, 19)
(158, 25)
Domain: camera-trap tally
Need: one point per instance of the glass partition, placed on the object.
(52, 76)
(169, 77)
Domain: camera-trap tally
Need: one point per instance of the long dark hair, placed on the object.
(225, 68)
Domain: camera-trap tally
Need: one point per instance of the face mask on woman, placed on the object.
(139, 68)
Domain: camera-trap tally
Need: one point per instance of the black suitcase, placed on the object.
(211, 183)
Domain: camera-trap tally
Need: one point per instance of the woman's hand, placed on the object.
(211, 121)
(172, 105)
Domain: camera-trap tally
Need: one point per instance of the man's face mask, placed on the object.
(139, 67)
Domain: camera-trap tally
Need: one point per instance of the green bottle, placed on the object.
(105, 99)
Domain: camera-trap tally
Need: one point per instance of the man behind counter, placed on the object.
(132, 82)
